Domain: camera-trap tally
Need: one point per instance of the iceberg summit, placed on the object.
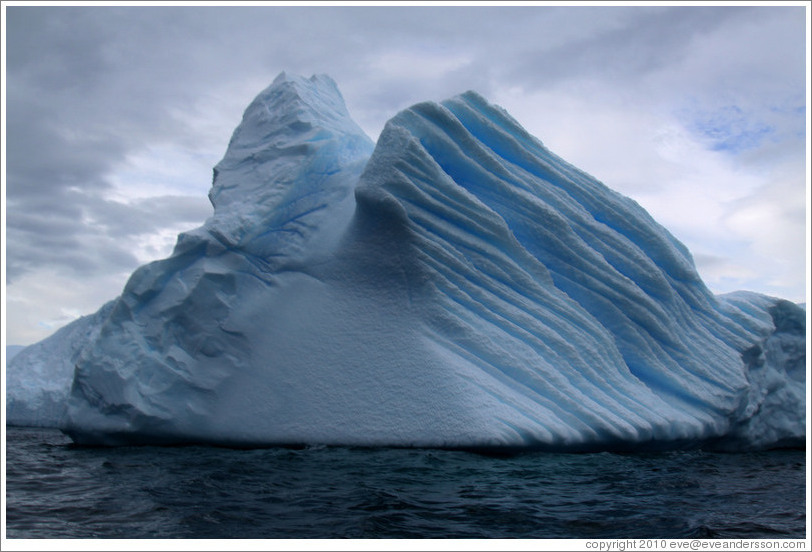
(455, 285)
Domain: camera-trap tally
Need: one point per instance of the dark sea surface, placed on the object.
(58, 490)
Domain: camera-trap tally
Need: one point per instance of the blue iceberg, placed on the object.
(454, 285)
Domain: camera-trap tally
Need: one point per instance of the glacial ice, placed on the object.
(39, 377)
(459, 286)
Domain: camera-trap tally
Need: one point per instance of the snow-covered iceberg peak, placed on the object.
(275, 186)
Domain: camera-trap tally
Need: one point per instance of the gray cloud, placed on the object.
(87, 234)
(92, 91)
(633, 43)
(74, 113)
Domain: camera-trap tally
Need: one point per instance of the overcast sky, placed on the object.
(115, 117)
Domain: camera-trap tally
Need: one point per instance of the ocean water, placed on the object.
(58, 490)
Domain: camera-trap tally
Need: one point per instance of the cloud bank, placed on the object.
(115, 117)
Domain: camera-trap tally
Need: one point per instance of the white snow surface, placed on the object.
(461, 286)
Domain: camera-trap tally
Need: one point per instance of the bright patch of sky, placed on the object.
(162, 169)
(730, 129)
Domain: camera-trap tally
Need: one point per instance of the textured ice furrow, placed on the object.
(486, 266)
(749, 314)
(470, 344)
(484, 303)
(578, 187)
(622, 318)
(561, 358)
(528, 153)
(649, 359)
(627, 259)
(659, 416)
(446, 198)
(636, 301)
(581, 411)
(553, 232)
(478, 276)
(571, 252)
(507, 264)
(434, 183)
(554, 227)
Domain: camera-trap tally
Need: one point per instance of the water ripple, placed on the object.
(57, 490)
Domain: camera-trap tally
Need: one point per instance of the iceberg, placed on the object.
(455, 285)
(39, 377)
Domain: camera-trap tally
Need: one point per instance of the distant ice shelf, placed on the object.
(454, 285)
